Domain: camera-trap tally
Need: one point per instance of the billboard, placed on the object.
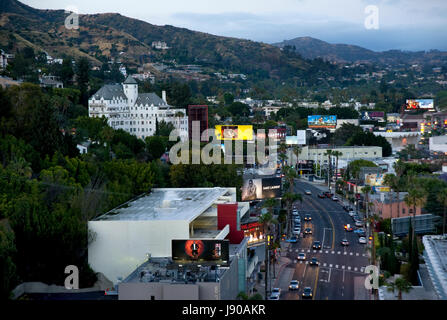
(234, 132)
(373, 115)
(301, 134)
(291, 140)
(374, 179)
(422, 224)
(319, 121)
(205, 252)
(418, 104)
(261, 188)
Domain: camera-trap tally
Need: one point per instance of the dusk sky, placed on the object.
(403, 24)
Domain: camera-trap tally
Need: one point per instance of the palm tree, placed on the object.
(399, 168)
(392, 181)
(401, 285)
(367, 190)
(296, 151)
(267, 220)
(291, 198)
(336, 154)
(416, 197)
(329, 153)
(442, 198)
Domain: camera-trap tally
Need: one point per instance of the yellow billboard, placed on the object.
(234, 132)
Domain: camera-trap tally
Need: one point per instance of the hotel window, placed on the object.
(403, 210)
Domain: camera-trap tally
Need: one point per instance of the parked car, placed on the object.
(359, 223)
(345, 242)
(295, 212)
(294, 285)
(335, 198)
(351, 213)
(297, 230)
(293, 239)
(274, 297)
(355, 217)
(359, 230)
(362, 240)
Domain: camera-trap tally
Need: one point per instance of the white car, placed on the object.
(276, 292)
(274, 297)
(308, 192)
(359, 223)
(295, 212)
(297, 230)
(301, 256)
(351, 213)
(294, 285)
(362, 240)
(335, 198)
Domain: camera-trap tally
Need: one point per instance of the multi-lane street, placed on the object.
(340, 273)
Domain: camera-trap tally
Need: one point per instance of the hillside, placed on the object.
(312, 48)
(102, 36)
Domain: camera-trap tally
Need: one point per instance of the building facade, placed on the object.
(136, 113)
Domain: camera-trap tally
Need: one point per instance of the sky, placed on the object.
(402, 24)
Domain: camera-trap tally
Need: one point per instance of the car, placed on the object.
(316, 245)
(307, 217)
(296, 231)
(307, 292)
(294, 285)
(359, 230)
(273, 297)
(293, 239)
(355, 217)
(314, 262)
(321, 195)
(276, 292)
(345, 242)
(348, 227)
(359, 223)
(362, 240)
(308, 231)
(295, 212)
(335, 198)
(328, 194)
(351, 213)
(301, 256)
(308, 192)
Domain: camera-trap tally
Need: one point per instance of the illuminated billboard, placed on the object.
(291, 140)
(329, 122)
(374, 179)
(418, 104)
(261, 188)
(373, 115)
(203, 252)
(234, 132)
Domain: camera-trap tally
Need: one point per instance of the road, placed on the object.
(339, 275)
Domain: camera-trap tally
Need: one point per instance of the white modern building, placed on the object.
(126, 236)
(399, 140)
(438, 144)
(136, 113)
(348, 153)
(435, 256)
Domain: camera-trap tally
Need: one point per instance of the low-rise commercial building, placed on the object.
(438, 144)
(348, 153)
(399, 140)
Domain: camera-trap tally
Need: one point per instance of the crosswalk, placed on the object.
(357, 254)
(332, 266)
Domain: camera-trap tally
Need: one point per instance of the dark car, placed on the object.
(321, 195)
(314, 262)
(308, 231)
(307, 293)
(328, 194)
(344, 242)
(307, 217)
(316, 245)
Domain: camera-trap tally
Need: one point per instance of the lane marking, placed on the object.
(324, 264)
(316, 283)
(333, 252)
(350, 253)
(349, 268)
(357, 254)
(355, 269)
(336, 266)
(327, 251)
(338, 252)
(304, 273)
(343, 267)
(330, 266)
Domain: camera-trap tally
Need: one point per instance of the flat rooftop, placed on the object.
(168, 204)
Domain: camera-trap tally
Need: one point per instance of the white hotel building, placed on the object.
(136, 113)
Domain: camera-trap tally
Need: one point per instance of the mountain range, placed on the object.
(311, 48)
(105, 35)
